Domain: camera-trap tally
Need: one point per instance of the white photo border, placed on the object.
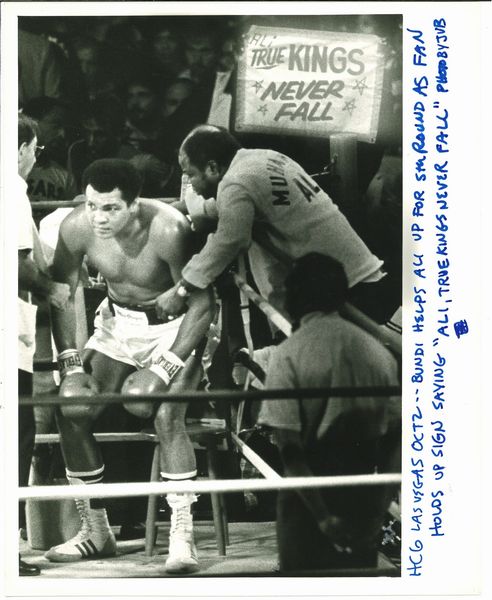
(451, 567)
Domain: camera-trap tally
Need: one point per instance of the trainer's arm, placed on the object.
(31, 278)
(233, 235)
(195, 324)
(67, 264)
(201, 303)
(236, 213)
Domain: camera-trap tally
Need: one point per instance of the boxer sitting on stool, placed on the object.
(139, 247)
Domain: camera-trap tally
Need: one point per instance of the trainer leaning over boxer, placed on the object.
(263, 195)
(139, 247)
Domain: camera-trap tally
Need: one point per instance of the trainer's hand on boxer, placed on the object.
(77, 384)
(141, 383)
(59, 295)
(170, 304)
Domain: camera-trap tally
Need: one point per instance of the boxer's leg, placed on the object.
(178, 462)
(177, 453)
(80, 450)
(84, 465)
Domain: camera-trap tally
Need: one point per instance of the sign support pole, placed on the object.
(343, 151)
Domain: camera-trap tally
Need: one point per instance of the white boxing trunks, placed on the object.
(125, 335)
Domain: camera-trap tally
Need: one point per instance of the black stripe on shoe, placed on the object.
(87, 548)
(82, 550)
(92, 546)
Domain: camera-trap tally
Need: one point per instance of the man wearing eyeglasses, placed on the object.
(33, 280)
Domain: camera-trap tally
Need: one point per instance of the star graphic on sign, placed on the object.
(350, 106)
(258, 85)
(263, 109)
(360, 86)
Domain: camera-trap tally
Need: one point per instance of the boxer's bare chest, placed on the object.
(129, 263)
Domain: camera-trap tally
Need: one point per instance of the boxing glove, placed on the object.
(77, 384)
(156, 379)
(142, 382)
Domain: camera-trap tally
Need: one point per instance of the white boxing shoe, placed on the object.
(183, 556)
(94, 540)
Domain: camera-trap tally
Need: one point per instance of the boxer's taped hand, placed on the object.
(166, 365)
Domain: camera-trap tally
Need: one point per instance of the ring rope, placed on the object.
(348, 311)
(270, 394)
(120, 490)
(250, 455)
(54, 204)
(275, 317)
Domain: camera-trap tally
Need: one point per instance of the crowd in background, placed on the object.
(133, 87)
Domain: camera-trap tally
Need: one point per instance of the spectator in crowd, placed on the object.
(33, 279)
(166, 53)
(175, 93)
(40, 72)
(330, 527)
(103, 136)
(95, 74)
(61, 33)
(265, 204)
(178, 112)
(229, 52)
(221, 101)
(49, 179)
(144, 119)
(201, 54)
(159, 179)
